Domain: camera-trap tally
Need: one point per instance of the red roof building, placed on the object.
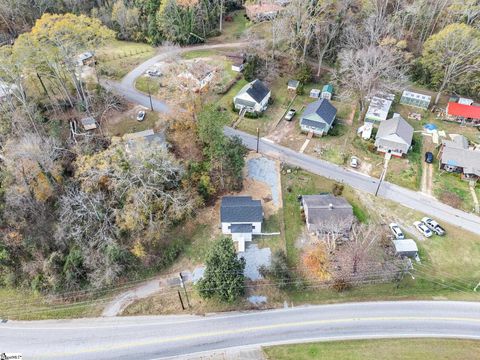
(464, 111)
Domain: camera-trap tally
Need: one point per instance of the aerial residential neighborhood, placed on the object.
(225, 179)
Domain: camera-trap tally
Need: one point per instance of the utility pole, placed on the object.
(181, 301)
(182, 284)
(380, 181)
(258, 138)
(149, 96)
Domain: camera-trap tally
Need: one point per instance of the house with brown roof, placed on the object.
(262, 11)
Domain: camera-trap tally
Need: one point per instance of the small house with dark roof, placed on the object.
(241, 217)
(394, 136)
(327, 213)
(318, 117)
(253, 97)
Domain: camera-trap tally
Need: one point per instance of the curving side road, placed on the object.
(167, 336)
(405, 197)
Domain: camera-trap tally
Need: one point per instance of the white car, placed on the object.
(434, 226)
(141, 115)
(424, 230)
(290, 114)
(396, 231)
(354, 162)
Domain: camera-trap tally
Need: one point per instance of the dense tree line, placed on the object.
(151, 21)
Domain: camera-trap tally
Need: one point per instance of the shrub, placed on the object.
(279, 271)
(337, 189)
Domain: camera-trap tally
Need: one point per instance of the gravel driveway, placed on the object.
(254, 258)
(265, 170)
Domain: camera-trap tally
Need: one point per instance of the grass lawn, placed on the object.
(117, 58)
(129, 124)
(147, 84)
(392, 349)
(304, 183)
(25, 305)
(232, 30)
(272, 224)
(193, 54)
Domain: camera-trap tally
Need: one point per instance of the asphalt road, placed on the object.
(412, 199)
(158, 337)
(405, 197)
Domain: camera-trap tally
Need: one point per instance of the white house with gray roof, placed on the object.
(241, 217)
(456, 156)
(318, 117)
(253, 97)
(394, 136)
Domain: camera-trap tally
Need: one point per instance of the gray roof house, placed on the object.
(394, 136)
(326, 213)
(253, 97)
(242, 217)
(318, 117)
(456, 156)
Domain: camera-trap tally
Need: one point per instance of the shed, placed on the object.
(293, 85)
(315, 93)
(327, 92)
(378, 110)
(405, 248)
(415, 99)
(89, 123)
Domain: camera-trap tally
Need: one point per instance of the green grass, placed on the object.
(233, 30)
(25, 305)
(274, 223)
(392, 349)
(304, 183)
(117, 58)
(193, 54)
(129, 124)
(147, 84)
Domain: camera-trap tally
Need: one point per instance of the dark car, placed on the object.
(428, 157)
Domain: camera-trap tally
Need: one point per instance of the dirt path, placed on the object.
(427, 179)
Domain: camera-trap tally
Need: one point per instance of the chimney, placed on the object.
(330, 206)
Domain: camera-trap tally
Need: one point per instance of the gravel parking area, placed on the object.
(263, 169)
(254, 258)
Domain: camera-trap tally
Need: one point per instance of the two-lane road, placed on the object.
(157, 337)
(405, 197)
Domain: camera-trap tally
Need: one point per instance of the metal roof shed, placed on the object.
(406, 247)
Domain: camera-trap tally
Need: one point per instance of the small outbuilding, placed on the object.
(89, 123)
(406, 248)
(327, 92)
(415, 99)
(293, 85)
(315, 93)
(378, 110)
(464, 114)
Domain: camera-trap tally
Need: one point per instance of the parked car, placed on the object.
(354, 162)
(290, 114)
(434, 226)
(154, 72)
(397, 232)
(141, 115)
(423, 229)
(428, 157)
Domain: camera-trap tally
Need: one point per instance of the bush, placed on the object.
(337, 189)
(341, 285)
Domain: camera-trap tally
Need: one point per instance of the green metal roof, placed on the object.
(328, 88)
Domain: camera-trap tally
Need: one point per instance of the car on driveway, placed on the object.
(354, 162)
(423, 229)
(396, 231)
(428, 157)
(290, 114)
(434, 226)
(141, 115)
